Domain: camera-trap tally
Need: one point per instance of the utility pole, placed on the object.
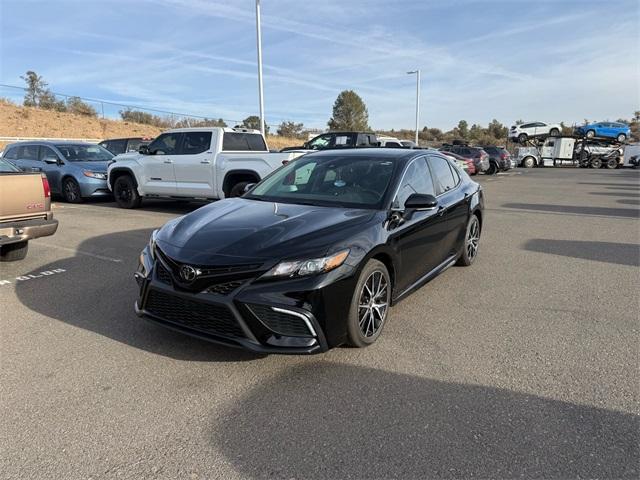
(260, 86)
(417, 72)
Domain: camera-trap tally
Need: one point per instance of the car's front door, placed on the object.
(51, 164)
(418, 239)
(158, 170)
(193, 165)
(453, 204)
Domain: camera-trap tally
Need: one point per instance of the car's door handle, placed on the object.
(205, 162)
(168, 160)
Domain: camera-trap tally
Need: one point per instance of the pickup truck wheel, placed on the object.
(238, 189)
(125, 193)
(14, 251)
(71, 191)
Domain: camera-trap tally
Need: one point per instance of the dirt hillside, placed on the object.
(18, 121)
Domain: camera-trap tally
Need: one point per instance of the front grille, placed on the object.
(205, 317)
(282, 323)
(224, 288)
(163, 274)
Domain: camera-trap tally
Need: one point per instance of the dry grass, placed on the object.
(18, 121)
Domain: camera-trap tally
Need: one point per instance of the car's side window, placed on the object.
(28, 152)
(117, 146)
(442, 175)
(47, 152)
(11, 154)
(416, 179)
(195, 142)
(165, 144)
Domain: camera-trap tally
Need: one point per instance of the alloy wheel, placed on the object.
(473, 238)
(373, 303)
(71, 191)
(124, 193)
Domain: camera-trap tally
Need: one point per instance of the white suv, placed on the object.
(525, 131)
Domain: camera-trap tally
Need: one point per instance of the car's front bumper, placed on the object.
(298, 316)
(93, 187)
(19, 231)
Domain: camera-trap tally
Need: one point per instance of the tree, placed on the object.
(76, 105)
(290, 129)
(253, 122)
(36, 87)
(463, 129)
(349, 113)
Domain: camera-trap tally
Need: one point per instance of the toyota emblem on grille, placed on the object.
(188, 273)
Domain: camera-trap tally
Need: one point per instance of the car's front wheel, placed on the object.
(71, 191)
(554, 132)
(621, 138)
(591, 133)
(471, 242)
(370, 304)
(522, 138)
(125, 193)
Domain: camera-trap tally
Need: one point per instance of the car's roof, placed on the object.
(374, 152)
(51, 143)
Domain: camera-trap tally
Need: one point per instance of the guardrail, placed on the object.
(49, 139)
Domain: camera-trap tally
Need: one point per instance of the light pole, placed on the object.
(417, 72)
(260, 87)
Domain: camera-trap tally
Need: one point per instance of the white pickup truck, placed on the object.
(193, 163)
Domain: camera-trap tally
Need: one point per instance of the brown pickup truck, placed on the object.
(25, 210)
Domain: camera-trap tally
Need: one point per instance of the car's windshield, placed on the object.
(84, 153)
(6, 167)
(349, 181)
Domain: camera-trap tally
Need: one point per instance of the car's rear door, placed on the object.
(27, 158)
(193, 165)
(158, 172)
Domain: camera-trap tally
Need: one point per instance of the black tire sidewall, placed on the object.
(238, 189)
(464, 259)
(14, 251)
(135, 199)
(355, 336)
(71, 181)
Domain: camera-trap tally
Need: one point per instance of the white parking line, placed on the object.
(80, 252)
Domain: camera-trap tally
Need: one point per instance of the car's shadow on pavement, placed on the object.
(576, 209)
(179, 207)
(98, 295)
(608, 252)
(327, 420)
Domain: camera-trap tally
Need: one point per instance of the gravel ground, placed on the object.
(525, 364)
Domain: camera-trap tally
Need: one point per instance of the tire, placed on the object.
(370, 276)
(125, 192)
(621, 138)
(71, 191)
(591, 133)
(522, 138)
(596, 163)
(238, 189)
(529, 162)
(493, 169)
(554, 132)
(471, 242)
(14, 251)
(612, 164)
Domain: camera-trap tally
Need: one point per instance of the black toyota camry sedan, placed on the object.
(314, 255)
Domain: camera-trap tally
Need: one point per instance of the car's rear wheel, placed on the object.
(125, 192)
(71, 191)
(493, 169)
(14, 251)
(471, 242)
(621, 138)
(522, 138)
(370, 304)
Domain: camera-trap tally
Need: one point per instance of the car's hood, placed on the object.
(93, 166)
(235, 230)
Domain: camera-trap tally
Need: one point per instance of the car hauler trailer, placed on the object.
(570, 149)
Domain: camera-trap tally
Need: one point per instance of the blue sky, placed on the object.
(533, 60)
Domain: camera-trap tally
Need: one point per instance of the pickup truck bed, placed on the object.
(25, 211)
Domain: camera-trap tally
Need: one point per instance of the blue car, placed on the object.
(75, 170)
(617, 130)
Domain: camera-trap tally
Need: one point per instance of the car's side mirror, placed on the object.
(248, 187)
(143, 150)
(420, 202)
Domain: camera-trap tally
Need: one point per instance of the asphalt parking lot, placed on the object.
(525, 364)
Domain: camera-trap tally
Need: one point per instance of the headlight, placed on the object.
(98, 175)
(152, 243)
(308, 267)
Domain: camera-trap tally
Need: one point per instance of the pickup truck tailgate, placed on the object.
(22, 196)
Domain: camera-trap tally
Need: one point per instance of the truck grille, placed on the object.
(205, 317)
